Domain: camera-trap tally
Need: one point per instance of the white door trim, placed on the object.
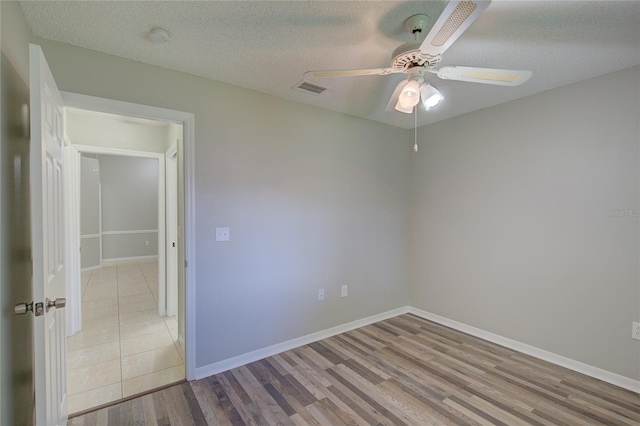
(171, 168)
(72, 238)
(162, 196)
(188, 230)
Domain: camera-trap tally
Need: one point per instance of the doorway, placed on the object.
(129, 341)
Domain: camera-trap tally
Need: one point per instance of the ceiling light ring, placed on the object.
(157, 35)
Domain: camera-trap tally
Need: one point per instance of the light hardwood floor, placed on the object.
(402, 371)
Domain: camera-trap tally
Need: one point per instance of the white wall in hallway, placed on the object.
(88, 128)
(111, 131)
(90, 212)
(129, 206)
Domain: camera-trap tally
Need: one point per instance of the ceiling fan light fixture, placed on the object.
(410, 95)
(417, 58)
(430, 96)
(404, 108)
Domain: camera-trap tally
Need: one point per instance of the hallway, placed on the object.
(124, 347)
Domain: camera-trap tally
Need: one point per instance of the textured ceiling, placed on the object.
(268, 45)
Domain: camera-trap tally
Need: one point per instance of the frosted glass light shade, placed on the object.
(404, 108)
(410, 95)
(430, 96)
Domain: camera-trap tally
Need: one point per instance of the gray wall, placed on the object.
(89, 212)
(129, 203)
(313, 198)
(511, 221)
(508, 225)
(16, 332)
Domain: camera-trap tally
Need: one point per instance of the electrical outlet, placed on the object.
(223, 234)
(321, 295)
(635, 332)
(146, 243)
(344, 292)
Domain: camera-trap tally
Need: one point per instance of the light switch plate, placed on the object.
(223, 234)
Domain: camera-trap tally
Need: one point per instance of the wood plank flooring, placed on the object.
(402, 371)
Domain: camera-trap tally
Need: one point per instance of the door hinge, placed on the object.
(185, 263)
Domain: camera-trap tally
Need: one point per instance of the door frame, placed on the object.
(171, 236)
(89, 149)
(187, 230)
(72, 237)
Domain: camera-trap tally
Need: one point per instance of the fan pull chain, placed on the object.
(415, 131)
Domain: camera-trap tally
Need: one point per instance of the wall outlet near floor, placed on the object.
(321, 295)
(146, 243)
(223, 234)
(344, 291)
(635, 333)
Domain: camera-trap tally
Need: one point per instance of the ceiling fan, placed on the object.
(419, 57)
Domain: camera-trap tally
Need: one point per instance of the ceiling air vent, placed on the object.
(306, 87)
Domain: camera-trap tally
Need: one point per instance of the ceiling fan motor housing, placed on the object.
(406, 56)
(416, 23)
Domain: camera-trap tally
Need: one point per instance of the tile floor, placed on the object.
(124, 347)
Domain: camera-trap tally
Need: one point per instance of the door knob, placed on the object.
(60, 302)
(23, 308)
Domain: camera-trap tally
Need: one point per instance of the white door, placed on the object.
(47, 233)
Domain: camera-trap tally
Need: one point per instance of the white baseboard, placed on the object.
(90, 268)
(571, 364)
(124, 259)
(237, 361)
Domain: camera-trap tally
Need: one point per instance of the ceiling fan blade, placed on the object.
(495, 76)
(350, 73)
(396, 94)
(457, 16)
